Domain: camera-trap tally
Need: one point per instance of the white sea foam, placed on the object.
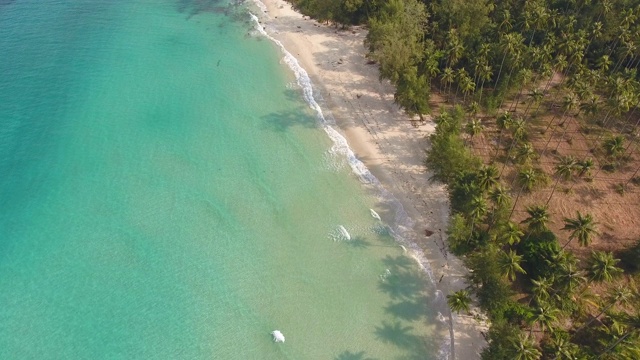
(262, 6)
(403, 225)
(344, 232)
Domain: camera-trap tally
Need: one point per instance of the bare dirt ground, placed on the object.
(617, 213)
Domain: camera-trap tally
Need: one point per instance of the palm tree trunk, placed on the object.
(615, 344)
(632, 176)
(500, 71)
(555, 185)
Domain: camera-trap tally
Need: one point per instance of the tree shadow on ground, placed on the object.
(398, 262)
(402, 337)
(402, 284)
(587, 195)
(410, 310)
(348, 355)
(233, 10)
(407, 286)
(357, 243)
(281, 121)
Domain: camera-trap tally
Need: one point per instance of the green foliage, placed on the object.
(459, 301)
(412, 92)
(538, 218)
(614, 146)
(462, 190)
(583, 227)
(509, 264)
(539, 253)
(529, 178)
(448, 155)
(602, 266)
(458, 234)
(473, 127)
(510, 233)
(339, 11)
(585, 166)
(395, 41)
(566, 166)
(524, 348)
(492, 291)
(501, 335)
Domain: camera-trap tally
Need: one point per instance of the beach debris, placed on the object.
(374, 214)
(344, 232)
(403, 248)
(277, 336)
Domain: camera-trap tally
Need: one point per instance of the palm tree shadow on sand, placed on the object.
(410, 305)
(281, 121)
(348, 355)
(357, 242)
(402, 337)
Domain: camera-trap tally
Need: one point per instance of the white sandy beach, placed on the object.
(384, 138)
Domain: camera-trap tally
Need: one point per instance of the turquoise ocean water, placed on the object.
(166, 192)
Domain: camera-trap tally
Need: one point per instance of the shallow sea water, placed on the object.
(167, 193)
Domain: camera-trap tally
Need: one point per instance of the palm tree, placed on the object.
(591, 106)
(565, 167)
(603, 63)
(538, 218)
(504, 122)
(569, 278)
(506, 20)
(519, 130)
(474, 108)
(510, 233)
(621, 294)
(524, 348)
(525, 153)
(563, 349)
(459, 301)
(487, 177)
(632, 323)
(500, 196)
(478, 209)
(484, 74)
(614, 146)
(603, 266)
(536, 96)
(455, 48)
(541, 289)
(545, 316)
(528, 178)
(584, 167)
(474, 127)
(447, 78)
(465, 84)
(582, 227)
(509, 264)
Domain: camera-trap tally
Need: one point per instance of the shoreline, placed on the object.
(387, 142)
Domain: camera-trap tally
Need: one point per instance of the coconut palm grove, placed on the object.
(536, 106)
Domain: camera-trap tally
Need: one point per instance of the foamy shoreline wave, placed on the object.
(403, 224)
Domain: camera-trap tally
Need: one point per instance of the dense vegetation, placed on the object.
(519, 66)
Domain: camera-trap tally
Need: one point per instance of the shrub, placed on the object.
(538, 254)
